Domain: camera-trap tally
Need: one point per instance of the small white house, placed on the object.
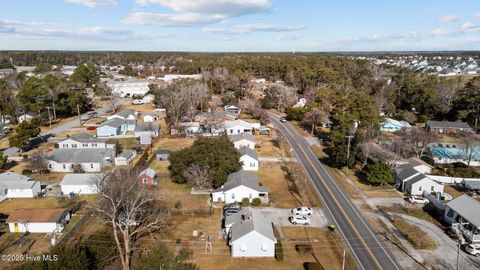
(249, 159)
(124, 115)
(232, 109)
(125, 157)
(150, 117)
(420, 165)
(238, 127)
(86, 160)
(243, 140)
(14, 185)
(24, 117)
(240, 185)
(251, 235)
(414, 182)
(148, 98)
(81, 183)
(38, 220)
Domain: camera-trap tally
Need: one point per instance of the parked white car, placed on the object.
(473, 249)
(418, 199)
(295, 219)
(302, 211)
(138, 102)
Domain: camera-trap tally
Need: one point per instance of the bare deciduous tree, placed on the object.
(199, 176)
(284, 95)
(129, 209)
(418, 140)
(314, 117)
(38, 162)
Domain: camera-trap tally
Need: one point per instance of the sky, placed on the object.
(240, 25)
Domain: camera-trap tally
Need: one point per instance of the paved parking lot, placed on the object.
(279, 216)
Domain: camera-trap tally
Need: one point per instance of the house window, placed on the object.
(64, 167)
(65, 145)
(243, 247)
(145, 180)
(49, 166)
(432, 188)
(91, 166)
(94, 145)
(265, 247)
(250, 195)
(74, 146)
(233, 195)
(252, 165)
(85, 145)
(420, 188)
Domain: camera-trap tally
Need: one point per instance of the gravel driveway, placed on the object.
(279, 216)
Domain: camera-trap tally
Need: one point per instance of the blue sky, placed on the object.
(240, 25)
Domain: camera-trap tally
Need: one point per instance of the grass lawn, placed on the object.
(20, 203)
(128, 143)
(266, 148)
(170, 192)
(418, 238)
(173, 144)
(452, 191)
(411, 211)
(149, 107)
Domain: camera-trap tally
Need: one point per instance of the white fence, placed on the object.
(451, 179)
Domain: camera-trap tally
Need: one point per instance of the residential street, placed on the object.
(367, 250)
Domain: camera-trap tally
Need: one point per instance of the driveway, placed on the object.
(279, 216)
(445, 256)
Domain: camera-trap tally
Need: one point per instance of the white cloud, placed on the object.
(287, 37)
(54, 30)
(469, 26)
(248, 28)
(194, 12)
(94, 3)
(449, 18)
(477, 15)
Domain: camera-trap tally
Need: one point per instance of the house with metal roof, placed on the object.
(124, 115)
(38, 220)
(14, 185)
(243, 139)
(463, 214)
(84, 140)
(249, 159)
(147, 129)
(239, 185)
(251, 234)
(81, 183)
(448, 126)
(420, 165)
(414, 182)
(115, 126)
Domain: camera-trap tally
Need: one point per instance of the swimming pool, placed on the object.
(454, 152)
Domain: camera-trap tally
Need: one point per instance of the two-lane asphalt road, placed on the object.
(367, 250)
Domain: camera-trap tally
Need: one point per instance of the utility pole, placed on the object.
(349, 137)
(79, 116)
(461, 241)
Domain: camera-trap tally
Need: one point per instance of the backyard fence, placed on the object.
(69, 234)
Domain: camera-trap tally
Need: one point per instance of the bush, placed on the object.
(256, 202)
(295, 114)
(178, 205)
(245, 202)
(303, 248)
(279, 251)
(26, 172)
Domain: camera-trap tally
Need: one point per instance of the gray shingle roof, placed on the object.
(243, 178)
(148, 172)
(468, 208)
(243, 136)
(248, 151)
(447, 124)
(234, 123)
(87, 155)
(117, 122)
(417, 162)
(125, 113)
(11, 176)
(127, 153)
(147, 127)
(11, 180)
(248, 221)
(405, 171)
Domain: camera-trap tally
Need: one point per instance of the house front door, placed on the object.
(15, 228)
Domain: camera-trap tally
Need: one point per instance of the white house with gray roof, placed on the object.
(243, 140)
(14, 185)
(414, 182)
(251, 234)
(237, 127)
(124, 115)
(249, 159)
(239, 185)
(84, 141)
(81, 183)
(463, 214)
(90, 160)
(448, 126)
(125, 157)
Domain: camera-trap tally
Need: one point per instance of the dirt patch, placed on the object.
(416, 236)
